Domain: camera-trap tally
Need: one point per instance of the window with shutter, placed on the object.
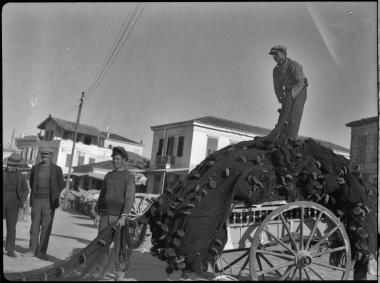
(212, 145)
(181, 142)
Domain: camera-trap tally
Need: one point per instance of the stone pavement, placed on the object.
(71, 232)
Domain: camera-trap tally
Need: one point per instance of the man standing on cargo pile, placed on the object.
(290, 88)
(114, 205)
(46, 183)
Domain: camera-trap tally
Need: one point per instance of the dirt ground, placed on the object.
(71, 232)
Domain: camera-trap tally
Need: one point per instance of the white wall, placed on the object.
(135, 148)
(88, 151)
(176, 132)
(225, 137)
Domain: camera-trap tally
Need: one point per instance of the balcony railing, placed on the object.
(164, 160)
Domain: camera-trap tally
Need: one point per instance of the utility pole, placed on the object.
(74, 140)
(12, 138)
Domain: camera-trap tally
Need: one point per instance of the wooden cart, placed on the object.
(285, 241)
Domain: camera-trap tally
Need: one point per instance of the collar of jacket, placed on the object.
(284, 64)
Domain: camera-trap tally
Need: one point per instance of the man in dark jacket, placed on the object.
(290, 88)
(15, 192)
(114, 205)
(46, 182)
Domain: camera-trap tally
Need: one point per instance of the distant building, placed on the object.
(178, 147)
(7, 151)
(91, 176)
(92, 145)
(364, 145)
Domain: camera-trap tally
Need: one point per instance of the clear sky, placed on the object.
(187, 60)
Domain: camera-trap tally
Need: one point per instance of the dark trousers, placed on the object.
(122, 253)
(42, 222)
(10, 213)
(289, 120)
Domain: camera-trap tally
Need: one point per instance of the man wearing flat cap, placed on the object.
(290, 88)
(15, 193)
(46, 182)
(114, 205)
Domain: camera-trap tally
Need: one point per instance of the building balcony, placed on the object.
(165, 161)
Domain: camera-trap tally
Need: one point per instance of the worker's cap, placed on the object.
(118, 150)
(45, 150)
(14, 159)
(277, 48)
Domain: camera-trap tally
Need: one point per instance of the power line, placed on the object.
(67, 112)
(111, 51)
(117, 49)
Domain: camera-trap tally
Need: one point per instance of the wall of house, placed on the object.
(51, 125)
(176, 132)
(136, 148)
(368, 163)
(99, 154)
(29, 150)
(225, 137)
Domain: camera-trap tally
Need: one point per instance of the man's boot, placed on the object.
(11, 254)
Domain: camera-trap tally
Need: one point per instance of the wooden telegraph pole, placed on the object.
(74, 140)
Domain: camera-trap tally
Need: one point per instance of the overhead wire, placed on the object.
(118, 49)
(105, 63)
(111, 51)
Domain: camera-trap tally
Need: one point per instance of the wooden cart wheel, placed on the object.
(137, 230)
(294, 243)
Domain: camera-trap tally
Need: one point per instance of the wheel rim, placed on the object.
(294, 243)
(137, 230)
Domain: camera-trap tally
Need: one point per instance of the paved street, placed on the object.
(71, 232)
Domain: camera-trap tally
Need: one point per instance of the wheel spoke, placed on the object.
(283, 256)
(301, 228)
(244, 265)
(289, 232)
(307, 274)
(235, 261)
(313, 230)
(287, 273)
(260, 266)
(330, 251)
(294, 274)
(275, 268)
(300, 274)
(316, 273)
(315, 247)
(280, 242)
(329, 266)
(269, 263)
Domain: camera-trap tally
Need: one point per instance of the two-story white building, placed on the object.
(92, 145)
(178, 147)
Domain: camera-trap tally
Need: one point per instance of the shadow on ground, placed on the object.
(86, 242)
(88, 225)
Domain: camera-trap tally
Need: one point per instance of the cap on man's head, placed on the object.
(118, 150)
(277, 48)
(45, 150)
(14, 159)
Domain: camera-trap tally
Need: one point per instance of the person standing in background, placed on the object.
(46, 183)
(15, 192)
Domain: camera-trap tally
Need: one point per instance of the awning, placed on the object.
(98, 176)
(169, 170)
